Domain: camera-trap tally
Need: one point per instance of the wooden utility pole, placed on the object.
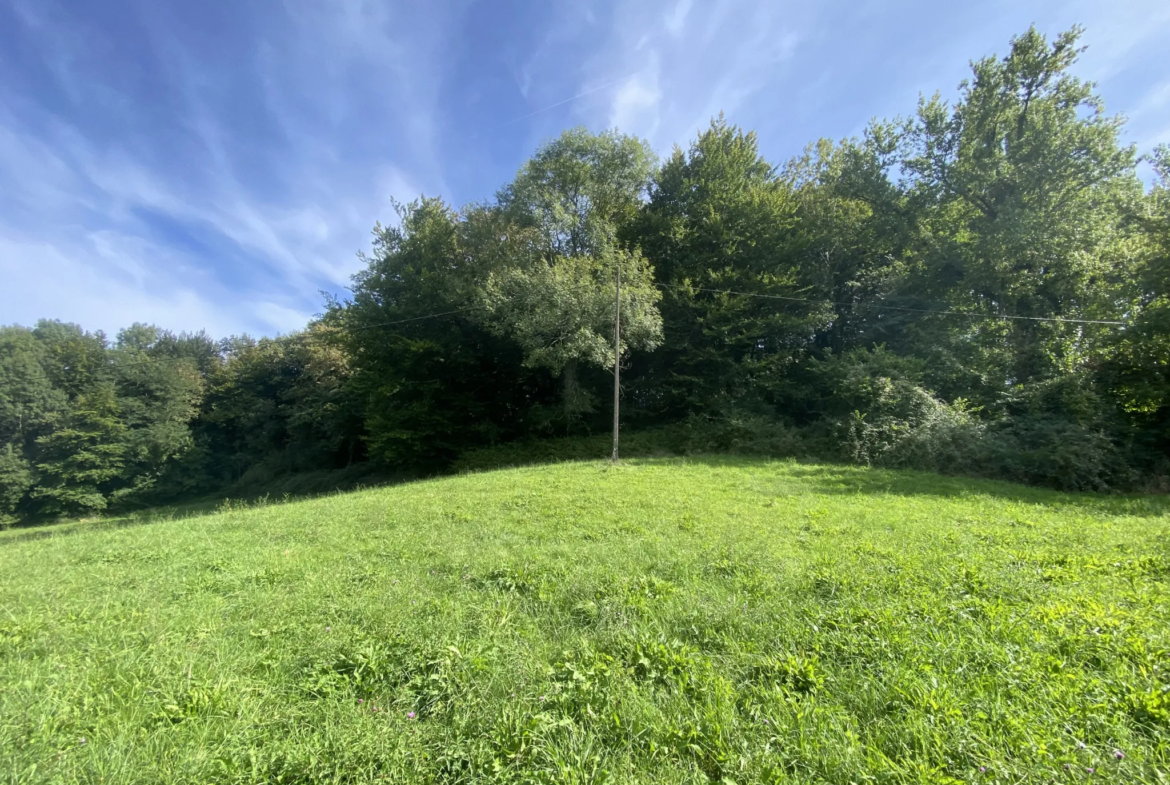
(617, 354)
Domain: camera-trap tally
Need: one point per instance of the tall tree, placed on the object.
(1026, 187)
(80, 460)
(718, 225)
(555, 298)
(28, 405)
(431, 380)
(84, 424)
(852, 234)
(158, 395)
(271, 408)
(1139, 370)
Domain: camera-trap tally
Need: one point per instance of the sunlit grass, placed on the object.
(663, 621)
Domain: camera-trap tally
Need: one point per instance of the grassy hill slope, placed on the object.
(663, 621)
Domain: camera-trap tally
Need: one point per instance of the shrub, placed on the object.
(946, 438)
(1055, 453)
(16, 478)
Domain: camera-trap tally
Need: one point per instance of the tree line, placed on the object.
(979, 288)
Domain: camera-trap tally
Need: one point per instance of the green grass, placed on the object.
(664, 621)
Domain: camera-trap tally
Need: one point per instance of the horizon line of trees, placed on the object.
(940, 293)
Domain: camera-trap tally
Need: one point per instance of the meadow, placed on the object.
(715, 620)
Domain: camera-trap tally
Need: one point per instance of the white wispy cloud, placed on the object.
(636, 102)
(1114, 31)
(80, 234)
(112, 296)
(154, 172)
(688, 62)
(676, 18)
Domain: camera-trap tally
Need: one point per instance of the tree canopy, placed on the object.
(981, 287)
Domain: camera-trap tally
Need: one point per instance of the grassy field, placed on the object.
(663, 621)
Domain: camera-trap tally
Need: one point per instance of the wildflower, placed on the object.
(1089, 769)
(328, 629)
(360, 700)
(410, 715)
(1080, 745)
(1118, 754)
(982, 768)
(83, 740)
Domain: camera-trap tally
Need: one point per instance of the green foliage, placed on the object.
(28, 398)
(16, 479)
(1138, 369)
(979, 289)
(559, 313)
(158, 397)
(578, 190)
(82, 456)
(719, 218)
(556, 296)
(1025, 190)
(429, 387)
(270, 408)
(28, 404)
(662, 621)
(84, 424)
(854, 236)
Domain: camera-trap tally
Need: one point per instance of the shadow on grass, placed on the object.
(816, 476)
(821, 476)
(845, 479)
(173, 512)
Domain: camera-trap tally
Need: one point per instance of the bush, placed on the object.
(1055, 453)
(876, 411)
(16, 478)
(1059, 433)
(946, 438)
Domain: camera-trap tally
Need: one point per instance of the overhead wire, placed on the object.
(665, 287)
(301, 335)
(964, 314)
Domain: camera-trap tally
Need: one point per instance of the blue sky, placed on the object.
(216, 164)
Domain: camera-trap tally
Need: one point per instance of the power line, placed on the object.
(961, 314)
(415, 318)
(912, 310)
(302, 335)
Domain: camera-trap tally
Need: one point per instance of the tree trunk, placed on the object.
(571, 392)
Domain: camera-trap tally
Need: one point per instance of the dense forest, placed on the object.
(980, 288)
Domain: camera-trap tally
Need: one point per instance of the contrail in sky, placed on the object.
(567, 100)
